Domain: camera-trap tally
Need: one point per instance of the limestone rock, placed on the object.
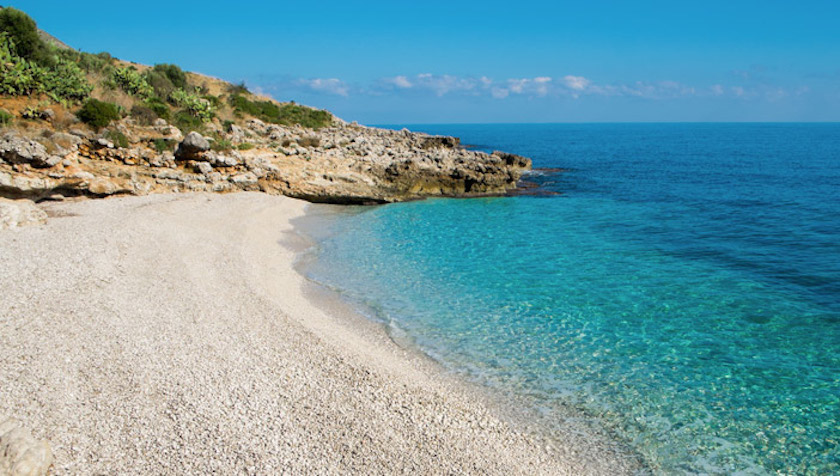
(203, 168)
(46, 115)
(237, 135)
(193, 145)
(17, 150)
(103, 143)
(247, 178)
(80, 133)
(102, 186)
(18, 213)
(337, 164)
(20, 453)
(513, 159)
(220, 160)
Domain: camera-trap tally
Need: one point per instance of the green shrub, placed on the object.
(161, 84)
(197, 107)
(98, 63)
(159, 107)
(305, 116)
(98, 114)
(221, 144)
(227, 125)
(6, 117)
(132, 82)
(173, 73)
(245, 146)
(265, 110)
(118, 138)
(214, 101)
(186, 122)
(143, 115)
(287, 114)
(238, 89)
(162, 145)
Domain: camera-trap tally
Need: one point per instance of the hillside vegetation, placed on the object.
(99, 89)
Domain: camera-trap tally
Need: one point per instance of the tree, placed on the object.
(24, 33)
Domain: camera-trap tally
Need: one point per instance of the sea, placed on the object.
(677, 283)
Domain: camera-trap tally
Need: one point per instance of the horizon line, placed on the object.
(591, 122)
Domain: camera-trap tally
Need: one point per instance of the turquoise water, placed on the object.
(683, 290)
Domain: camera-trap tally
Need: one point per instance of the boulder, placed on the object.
(18, 213)
(192, 147)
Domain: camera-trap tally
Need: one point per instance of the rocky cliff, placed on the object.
(344, 163)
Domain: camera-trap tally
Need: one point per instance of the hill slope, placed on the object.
(79, 124)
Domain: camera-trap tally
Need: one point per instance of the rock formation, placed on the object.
(344, 163)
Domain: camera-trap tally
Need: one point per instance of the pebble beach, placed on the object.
(171, 334)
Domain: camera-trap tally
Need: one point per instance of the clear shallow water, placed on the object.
(684, 289)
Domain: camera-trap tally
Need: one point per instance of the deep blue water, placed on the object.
(684, 288)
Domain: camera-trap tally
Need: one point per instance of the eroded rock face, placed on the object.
(17, 150)
(345, 163)
(20, 453)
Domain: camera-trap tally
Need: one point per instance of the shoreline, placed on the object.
(172, 333)
(567, 437)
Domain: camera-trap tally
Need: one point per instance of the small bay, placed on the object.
(682, 287)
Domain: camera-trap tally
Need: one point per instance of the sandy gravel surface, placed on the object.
(170, 334)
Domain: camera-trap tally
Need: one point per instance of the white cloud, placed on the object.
(440, 85)
(570, 86)
(402, 82)
(539, 86)
(577, 83)
(328, 85)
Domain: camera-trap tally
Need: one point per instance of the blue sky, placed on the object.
(490, 61)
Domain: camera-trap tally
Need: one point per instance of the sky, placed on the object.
(489, 61)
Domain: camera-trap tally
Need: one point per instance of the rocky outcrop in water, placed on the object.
(345, 163)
